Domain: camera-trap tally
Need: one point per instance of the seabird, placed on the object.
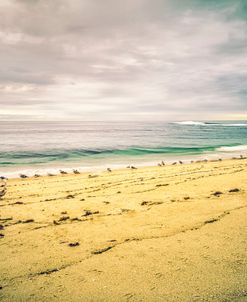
(23, 176)
(3, 189)
(63, 172)
(3, 192)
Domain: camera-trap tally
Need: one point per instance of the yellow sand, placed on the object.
(151, 234)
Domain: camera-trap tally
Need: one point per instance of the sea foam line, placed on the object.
(197, 123)
(233, 148)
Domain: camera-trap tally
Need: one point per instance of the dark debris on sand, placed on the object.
(28, 221)
(89, 213)
(211, 220)
(64, 218)
(150, 203)
(73, 244)
(49, 271)
(234, 190)
(100, 251)
(217, 193)
(18, 202)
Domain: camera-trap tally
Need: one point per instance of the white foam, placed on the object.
(189, 123)
(233, 149)
(234, 125)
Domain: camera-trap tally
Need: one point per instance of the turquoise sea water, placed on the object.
(87, 144)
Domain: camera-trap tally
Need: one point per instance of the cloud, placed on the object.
(137, 59)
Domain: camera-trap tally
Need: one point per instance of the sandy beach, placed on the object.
(172, 233)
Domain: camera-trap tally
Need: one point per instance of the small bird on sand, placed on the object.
(23, 176)
(3, 188)
(63, 172)
(76, 171)
(109, 169)
(3, 184)
(162, 163)
(3, 192)
(180, 162)
(133, 168)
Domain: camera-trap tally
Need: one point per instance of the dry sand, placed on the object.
(151, 234)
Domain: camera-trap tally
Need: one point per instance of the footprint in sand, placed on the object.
(27, 221)
(103, 250)
(129, 296)
(150, 203)
(63, 218)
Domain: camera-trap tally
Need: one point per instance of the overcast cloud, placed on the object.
(123, 60)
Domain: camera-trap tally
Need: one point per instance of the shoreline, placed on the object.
(44, 170)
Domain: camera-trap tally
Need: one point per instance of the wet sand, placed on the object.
(173, 233)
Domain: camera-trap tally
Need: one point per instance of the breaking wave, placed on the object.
(32, 158)
(195, 123)
(233, 148)
(190, 123)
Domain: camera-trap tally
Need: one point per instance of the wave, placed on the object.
(234, 125)
(195, 123)
(190, 123)
(74, 155)
(226, 124)
(32, 158)
(232, 148)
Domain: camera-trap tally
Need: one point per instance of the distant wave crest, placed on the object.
(195, 123)
(235, 125)
(189, 123)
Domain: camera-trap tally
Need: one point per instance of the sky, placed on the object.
(132, 60)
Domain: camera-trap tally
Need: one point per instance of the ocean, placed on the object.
(39, 147)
